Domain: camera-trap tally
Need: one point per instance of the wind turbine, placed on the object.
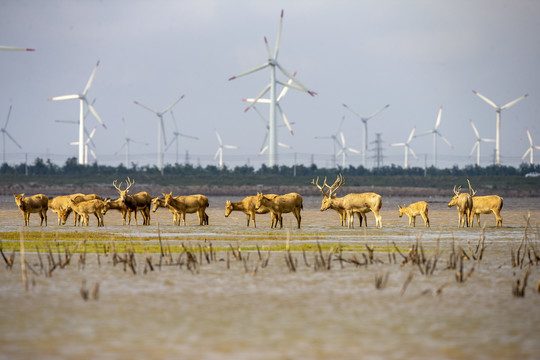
(176, 135)
(161, 129)
(334, 138)
(498, 110)
(219, 152)
(12, 48)
(435, 132)
(477, 143)
(4, 133)
(530, 149)
(88, 140)
(127, 143)
(344, 149)
(267, 101)
(86, 132)
(273, 64)
(407, 148)
(264, 146)
(364, 120)
(83, 100)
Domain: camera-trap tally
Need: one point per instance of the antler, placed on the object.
(129, 183)
(471, 190)
(458, 190)
(336, 185)
(116, 186)
(316, 183)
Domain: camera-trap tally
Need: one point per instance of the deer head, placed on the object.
(123, 193)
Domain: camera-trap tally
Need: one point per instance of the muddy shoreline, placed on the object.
(108, 190)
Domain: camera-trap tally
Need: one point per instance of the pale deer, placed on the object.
(136, 202)
(247, 206)
(282, 204)
(158, 202)
(189, 204)
(413, 210)
(77, 198)
(32, 204)
(485, 205)
(464, 204)
(84, 208)
(60, 204)
(118, 205)
(353, 203)
(337, 205)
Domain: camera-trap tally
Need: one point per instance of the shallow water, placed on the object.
(272, 313)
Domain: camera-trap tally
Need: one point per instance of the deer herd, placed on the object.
(83, 205)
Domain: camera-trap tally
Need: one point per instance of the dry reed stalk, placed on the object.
(8, 264)
(23, 264)
(264, 263)
(84, 290)
(97, 254)
(406, 283)
(95, 291)
(405, 259)
(381, 280)
(291, 263)
(518, 289)
(40, 260)
(233, 252)
(305, 258)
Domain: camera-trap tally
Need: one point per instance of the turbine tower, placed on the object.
(477, 143)
(435, 132)
(4, 133)
(364, 120)
(83, 100)
(498, 110)
(264, 146)
(273, 64)
(407, 148)
(219, 152)
(344, 149)
(531, 148)
(161, 130)
(335, 141)
(88, 140)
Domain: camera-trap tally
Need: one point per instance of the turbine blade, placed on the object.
(13, 48)
(412, 134)
(438, 122)
(219, 150)
(486, 99)
(487, 140)
(263, 150)
(377, 112)
(12, 139)
(121, 147)
(219, 138)
(267, 48)
(261, 117)
(90, 80)
(261, 94)
(65, 97)
(526, 153)
(174, 121)
(172, 142)
(284, 145)
(475, 130)
(514, 102)
(171, 106)
(285, 120)
(146, 107)
(354, 150)
(398, 144)
(188, 136)
(94, 112)
(7, 118)
(342, 137)
(474, 148)
(445, 140)
(529, 136)
(256, 68)
(230, 146)
(429, 132)
(295, 80)
(93, 154)
(278, 41)
(258, 101)
(353, 111)
(412, 153)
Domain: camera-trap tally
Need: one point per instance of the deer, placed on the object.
(281, 204)
(60, 204)
(136, 202)
(84, 208)
(336, 206)
(351, 203)
(77, 198)
(158, 202)
(118, 205)
(38, 203)
(189, 204)
(485, 205)
(247, 206)
(464, 204)
(413, 210)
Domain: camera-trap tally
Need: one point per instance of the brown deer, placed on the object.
(77, 198)
(158, 202)
(485, 205)
(336, 205)
(32, 204)
(118, 205)
(84, 208)
(282, 204)
(140, 201)
(60, 204)
(189, 204)
(247, 206)
(463, 203)
(413, 210)
(351, 203)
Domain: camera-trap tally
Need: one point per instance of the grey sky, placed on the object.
(413, 55)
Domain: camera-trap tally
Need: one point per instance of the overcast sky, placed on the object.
(414, 55)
